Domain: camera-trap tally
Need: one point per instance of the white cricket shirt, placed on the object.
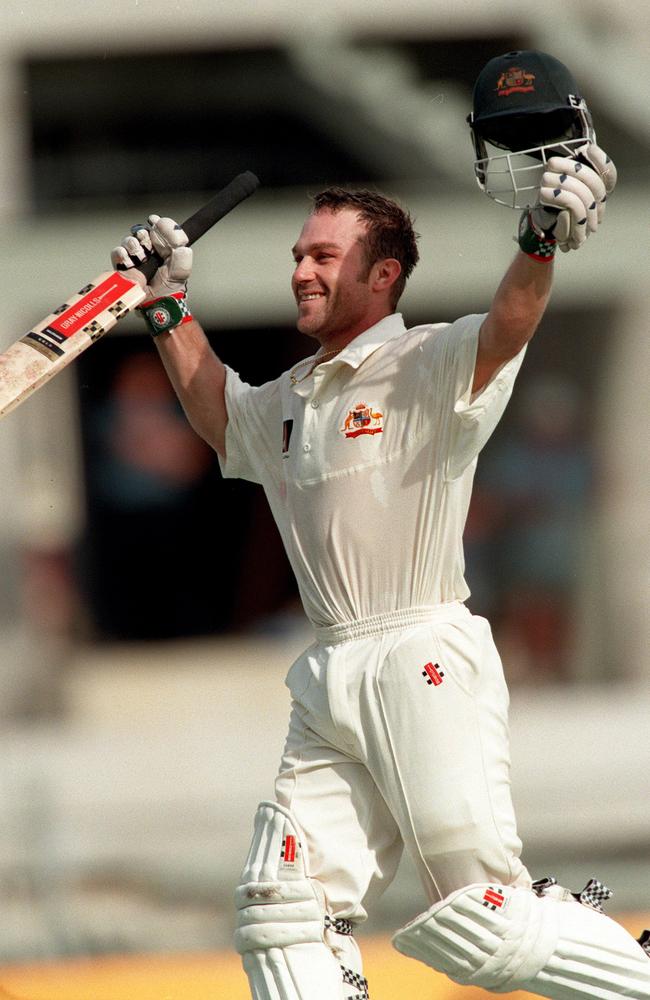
(368, 464)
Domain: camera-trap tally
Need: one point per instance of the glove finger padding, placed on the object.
(166, 238)
(121, 260)
(166, 235)
(568, 173)
(582, 218)
(599, 161)
(138, 248)
(140, 232)
(562, 229)
(173, 275)
(571, 203)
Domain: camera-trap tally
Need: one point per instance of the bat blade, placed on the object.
(90, 313)
(58, 339)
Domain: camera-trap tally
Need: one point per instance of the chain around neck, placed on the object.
(313, 362)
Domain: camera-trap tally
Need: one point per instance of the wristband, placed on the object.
(165, 313)
(534, 241)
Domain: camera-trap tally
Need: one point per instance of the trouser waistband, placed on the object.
(392, 621)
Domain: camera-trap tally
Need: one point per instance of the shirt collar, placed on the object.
(367, 342)
(356, 352)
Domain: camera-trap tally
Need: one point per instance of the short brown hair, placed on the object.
(390, 230)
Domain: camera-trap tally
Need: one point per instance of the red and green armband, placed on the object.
(165, 313)
(538, 243)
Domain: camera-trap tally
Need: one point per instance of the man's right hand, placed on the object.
(166, 238)
(165, 307)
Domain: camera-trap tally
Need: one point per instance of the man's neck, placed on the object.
(341, 338)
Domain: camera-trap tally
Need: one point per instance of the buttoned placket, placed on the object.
(310, 416)
(310, 391)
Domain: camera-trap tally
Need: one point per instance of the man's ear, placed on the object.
(384, 274)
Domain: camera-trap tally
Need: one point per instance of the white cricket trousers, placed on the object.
(398, 736)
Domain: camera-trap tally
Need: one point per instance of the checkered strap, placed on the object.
(538, 243)
(644, 941)
(542, 884)
(355, 979)
(338, 924)
(594, 894)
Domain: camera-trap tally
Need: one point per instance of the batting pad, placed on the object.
(505, 938)
(281, 919)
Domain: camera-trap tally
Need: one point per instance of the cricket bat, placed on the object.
(90, 313)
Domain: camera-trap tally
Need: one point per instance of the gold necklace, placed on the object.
(313, 361)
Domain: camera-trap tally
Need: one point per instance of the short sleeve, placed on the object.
(476, 415)
(252, 418)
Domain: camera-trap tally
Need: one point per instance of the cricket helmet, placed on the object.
(528, 104)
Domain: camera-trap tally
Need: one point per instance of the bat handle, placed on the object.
(240, 188)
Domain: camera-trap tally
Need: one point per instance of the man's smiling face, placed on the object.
(330, 282)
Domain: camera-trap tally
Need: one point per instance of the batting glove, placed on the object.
(571, 206)
(165, 306)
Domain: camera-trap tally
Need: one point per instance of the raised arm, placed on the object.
(196, 373)
(199, 379)
(514, 315)
(571, 206)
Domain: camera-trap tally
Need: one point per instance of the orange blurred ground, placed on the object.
(218, 976)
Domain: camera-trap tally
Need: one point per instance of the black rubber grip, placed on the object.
(240, 188)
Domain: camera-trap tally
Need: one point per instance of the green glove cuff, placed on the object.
(164, 314)
(535, 242)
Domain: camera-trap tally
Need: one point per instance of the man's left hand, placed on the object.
(573, 194)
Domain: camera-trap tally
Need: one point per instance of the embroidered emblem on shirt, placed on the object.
(362, 419)
(433, 673)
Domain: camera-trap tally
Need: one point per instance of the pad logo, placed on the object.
(494, 899)
(515, 81)
(433, 674)
(362, 419)
(288, 852)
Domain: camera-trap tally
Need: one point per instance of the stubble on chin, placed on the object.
(307, 327)
(311, 326)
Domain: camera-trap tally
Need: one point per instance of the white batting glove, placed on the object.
(165, 306)
(167, 239)
(573, 193)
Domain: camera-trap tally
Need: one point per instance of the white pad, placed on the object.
(280, 925)
(507, 938)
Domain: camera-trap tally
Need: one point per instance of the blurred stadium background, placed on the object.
(148, 613)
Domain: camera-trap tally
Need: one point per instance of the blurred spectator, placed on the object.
(525, 533)
(147, 493)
